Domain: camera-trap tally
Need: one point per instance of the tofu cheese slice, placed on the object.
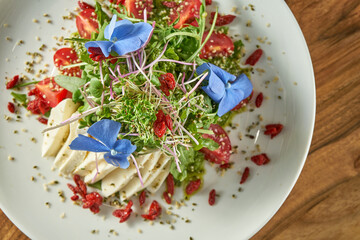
(118, 178)
(104, 169)
(89, 164)
(160, 178)
(54, 139)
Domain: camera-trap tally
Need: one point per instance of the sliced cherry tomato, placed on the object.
(222, 154)
(244, 102)
(171, 4)
(64, 57)
(84, 5)
(86, 23)
(222, 19)
(51, 92)
(188, 11)
(218, 45)
(137, 7)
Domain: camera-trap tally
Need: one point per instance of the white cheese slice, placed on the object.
(54, 139)
(104, 169)
(89, 164)
(118, 178)
(134, 185)
(160, 178)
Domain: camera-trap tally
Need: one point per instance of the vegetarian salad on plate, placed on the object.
(144, 92)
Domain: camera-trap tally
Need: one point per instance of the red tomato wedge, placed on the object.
(188, 11)
(86, 23)
(137, 7)
(222, 154)
(218, 45)
(51, 92)
(64, 57)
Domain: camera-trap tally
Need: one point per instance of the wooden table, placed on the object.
(325, 202)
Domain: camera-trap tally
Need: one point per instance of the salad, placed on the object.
(142, 97)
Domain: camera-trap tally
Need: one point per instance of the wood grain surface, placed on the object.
(325, 202)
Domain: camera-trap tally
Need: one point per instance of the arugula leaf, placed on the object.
(96, 185)
(101, 15)
(69, 83)
(22, 98)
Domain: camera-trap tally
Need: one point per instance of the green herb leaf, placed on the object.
(96, 88)
(69, 83)
(101, 15)
(22, 98)
(96, 185)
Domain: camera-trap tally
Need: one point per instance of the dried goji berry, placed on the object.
(273, 129)
(167, 82)
(225, 165)
(170, 4)
(170, 184)
(212, 196)
(159, 128)
(92, 201)
(42, 120)
(154, 211)
(169, 122)
(74, 197)
(96, 54)
(84, 5)
(167, 197)
(222, 19)
(11, 107)
(208, 2)
(243, 102)
(254, 57)
(193, 186)
(245, 175)
(125, 213)
(12, 82)
(260, 159)
(259, 99)
(142, 198)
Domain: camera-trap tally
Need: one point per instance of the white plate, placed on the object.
(235, 218)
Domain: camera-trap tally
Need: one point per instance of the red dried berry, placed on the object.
(42, 120)
(11, 107)
(273, 129)
(225, 165)
(154, 211)
(12, 82)
(243, 102)
(167, 82)
(170, 184)
(212, 196)
(169, 122)
(245, 175)
(260, 159)
(74, 197)
(142, 198)
(84, 5)
(125, 213)
(254, 57)
(208, 2)
(222, 19)
(167, 197)
(96, 54)
(170, 4)
(193, 186)
(159, 129)
(259, 99)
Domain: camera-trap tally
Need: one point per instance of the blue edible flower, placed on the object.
(106, 131)
(123, 36)
(225, 88)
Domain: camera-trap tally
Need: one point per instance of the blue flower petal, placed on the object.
(121, 30)
(216, 85)
(214, 96)
(127, 45)
(243, 83)
(231, 99)
(84, 143)
(222, 74)
(105, 46)
(110, 28)
(142, 31)
(105, 131)
(124, 146)
(119, 160)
